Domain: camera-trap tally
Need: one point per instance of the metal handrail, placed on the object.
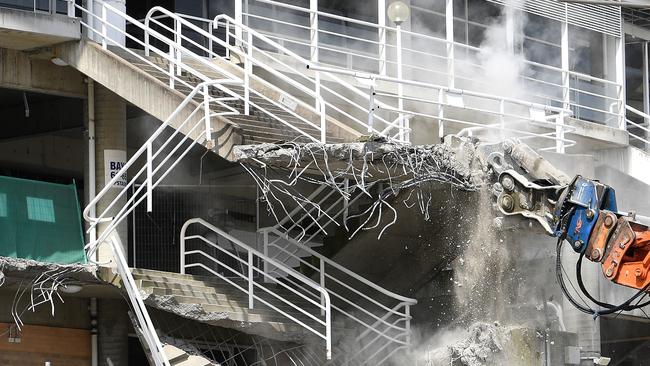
(180, 21)
(646, 119)
(325, 304)
(339, 267)
(563, 90)
(400, 312)
(295, 57)
(425, 36)
(558, 124)
(146, 151)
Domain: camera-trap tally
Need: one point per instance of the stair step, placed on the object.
(194, 361)
(226, 299)
(174, 354)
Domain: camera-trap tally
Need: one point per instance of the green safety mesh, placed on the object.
(40, 221)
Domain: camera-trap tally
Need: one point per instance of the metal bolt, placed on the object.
(609, 221)
(507, 146)
(498, 222)
(610, 271)
(595, 255)
(578, 244)
(590, 214)
(507, 202)
(508, 183)
(637, 272)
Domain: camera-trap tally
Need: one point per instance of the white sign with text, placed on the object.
(114, 160)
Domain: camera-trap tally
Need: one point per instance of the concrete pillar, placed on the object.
(113, 332)
(110, 151)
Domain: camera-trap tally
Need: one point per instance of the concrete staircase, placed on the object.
(260, 125)
(216, 302)
(146, 87)
(178, 357)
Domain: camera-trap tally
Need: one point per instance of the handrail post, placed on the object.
(371, 106)
(322, 285)
(146, 35)
(323, 122)
(149, 178)
(206, 116)
(182, 269)
(265, 249)
(566, 77)
(211, 31)
(239, 18)
(441, 114)
(178, 40)
(227, 40)
(449, 29)
(400, 85)
(313, 46)
(407, 316)
(381, 24)
(248, 70)
(70, 8)
(104, 44)
(250, 280)
(328, 330)
(172, 58)
(559, 133)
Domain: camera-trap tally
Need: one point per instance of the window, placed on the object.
(3, 205)
(40, 209)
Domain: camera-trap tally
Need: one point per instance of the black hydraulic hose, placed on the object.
(560, 280)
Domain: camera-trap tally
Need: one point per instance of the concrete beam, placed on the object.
(23, 30)
(143, 90)
(20, 71)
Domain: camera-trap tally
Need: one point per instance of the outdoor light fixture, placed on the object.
(58, 62)
(70, 289)
(398, 12)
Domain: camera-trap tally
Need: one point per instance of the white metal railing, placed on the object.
(308, 291)
(342, 100)
(383, 316)
(251, 47)
(184, 31)
(160, 158)
(360, 45)
(507, 116)
(638, 130)
(48, 6)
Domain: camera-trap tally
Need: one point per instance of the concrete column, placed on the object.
(110, 143)
(113, 333)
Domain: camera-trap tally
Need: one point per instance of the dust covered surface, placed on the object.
(17, 269)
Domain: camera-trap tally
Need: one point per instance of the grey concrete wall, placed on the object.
(20, 70)
(110, 134)
(23, 30)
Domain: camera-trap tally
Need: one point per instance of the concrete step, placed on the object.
(232, 297)
(174, 354)
(215, 290)
(250, 126)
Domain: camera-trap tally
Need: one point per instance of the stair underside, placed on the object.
(213, 301)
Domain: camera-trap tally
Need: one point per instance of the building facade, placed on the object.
(143, 112)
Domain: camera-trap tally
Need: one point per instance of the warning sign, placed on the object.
(114, 161)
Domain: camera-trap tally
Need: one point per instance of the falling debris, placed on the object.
(377, 168)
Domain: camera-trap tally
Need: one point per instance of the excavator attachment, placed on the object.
(581, 212)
